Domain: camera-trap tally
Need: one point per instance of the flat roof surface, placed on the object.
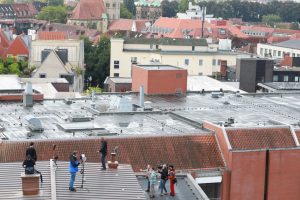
(170, 115)
(199, 83)
(283, 85)
(159, 67)
(183, 190)
(294, 44)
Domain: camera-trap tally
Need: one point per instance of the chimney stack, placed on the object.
(28, 95)
(142, 96)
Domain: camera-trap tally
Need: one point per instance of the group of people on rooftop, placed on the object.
(165, 173)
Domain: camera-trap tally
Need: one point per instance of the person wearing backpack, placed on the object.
(173, 179)
(28, 164)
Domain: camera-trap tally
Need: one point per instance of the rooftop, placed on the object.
(104, 184)
(294, 44)
(137, 151)
(170, 115)
(159, 67)
(167, 41)
(260, 138)
(283, 85)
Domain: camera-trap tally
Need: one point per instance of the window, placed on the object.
(293, 54)
(200, 62)
(286, 78)
(42, 75)
(133, 60)
(296, 78)
(107, 5)
(186, 61)
(116, 74)
(219, 62)
(261, 51)
(193, 48)
(279, 53)
(116, 64)
(214, 62)
(298, 55)
(156, 46)
(275, 78)
(274, 53)
(114, 5)
(151, 46)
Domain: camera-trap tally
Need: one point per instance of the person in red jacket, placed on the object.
(172, 178)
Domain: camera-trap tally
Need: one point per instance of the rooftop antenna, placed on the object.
(203, 19)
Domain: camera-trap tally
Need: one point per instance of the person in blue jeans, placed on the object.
(73, 166)
(163, 179)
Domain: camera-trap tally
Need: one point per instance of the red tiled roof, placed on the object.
(297, 131)
(185, 152)
(3, 40)
(88, 9)
(52, 35)
(22, 10)
(260, 138)
(17, 47)
(127, 24)
(121, 24)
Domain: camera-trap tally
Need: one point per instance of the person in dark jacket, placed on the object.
(103, 151)
(73, 166)
(28, 164)
(31, 151)
(163, 179)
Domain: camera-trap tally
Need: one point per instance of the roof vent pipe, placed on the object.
(142, 96)
(28, 96)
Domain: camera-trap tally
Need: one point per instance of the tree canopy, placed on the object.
(124, 12)
(271, 20)
(55, 2)
(183, 5)
(53, 14)
(129, 4)
(12, 66)
(97, 59)
(169, 9)
(253, 11)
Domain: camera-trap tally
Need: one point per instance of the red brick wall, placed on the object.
(247, 175)
(19, 97)
(167, 81)
(284, 175)
(139, 78)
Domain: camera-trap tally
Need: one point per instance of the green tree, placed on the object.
(271, 19)
(129, 4)
(55, 2)
(2, 69)
(53, 14)
(294, 26)
(14, 69)
(97, 59)
(183, 5)
(124, 12)
(169, 9)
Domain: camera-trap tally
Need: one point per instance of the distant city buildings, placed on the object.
(150, 10)
(195, 55)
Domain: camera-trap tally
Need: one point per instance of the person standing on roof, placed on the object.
(153, 182)
(103, 151)
(73, 166)
(163, 179)
(172, 178)
(31, 151)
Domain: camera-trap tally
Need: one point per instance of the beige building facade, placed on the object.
(52, 66)
(198, 57)
(278, 50)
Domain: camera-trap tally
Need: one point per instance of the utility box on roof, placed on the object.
(159, 79)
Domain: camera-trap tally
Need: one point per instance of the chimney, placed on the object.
(142, 96)
(28, 95)
(223, 69)
(93, 96)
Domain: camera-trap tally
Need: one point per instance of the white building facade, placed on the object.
(196, 56)
(278, 50)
